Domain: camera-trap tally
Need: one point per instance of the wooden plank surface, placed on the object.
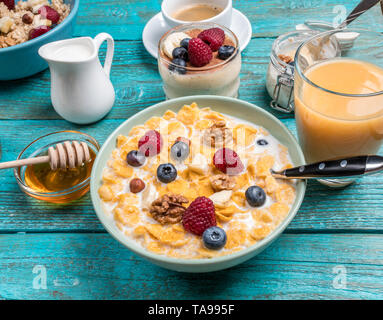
(126, 19)
(354, 209)
(358, 207)
(136, 81)
(95, 266)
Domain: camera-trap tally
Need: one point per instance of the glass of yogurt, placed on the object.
(219, 74)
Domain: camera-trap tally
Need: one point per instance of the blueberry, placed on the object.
(178, 65)
(166, 172)
(255, 196)
(225, 52)
(262, 142)
(135, 158)
(214, 238)
(185, 43)
(179, 151)
(180, 53)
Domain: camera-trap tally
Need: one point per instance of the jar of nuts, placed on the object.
(280, 73)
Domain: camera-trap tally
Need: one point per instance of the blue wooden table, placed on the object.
(333, 249)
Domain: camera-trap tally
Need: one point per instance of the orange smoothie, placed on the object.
(334, 125)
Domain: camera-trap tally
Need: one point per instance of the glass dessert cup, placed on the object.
(220, 79)
(39, 147)
(339, 112)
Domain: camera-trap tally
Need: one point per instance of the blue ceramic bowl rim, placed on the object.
(203, 261)
(29, 43)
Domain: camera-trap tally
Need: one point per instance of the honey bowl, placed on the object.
(61, 185)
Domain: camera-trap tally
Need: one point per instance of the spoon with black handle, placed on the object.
(346, 167)
(361, 8)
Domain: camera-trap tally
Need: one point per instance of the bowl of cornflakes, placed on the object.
(186, 183)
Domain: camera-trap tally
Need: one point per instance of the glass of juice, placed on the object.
(338, 89)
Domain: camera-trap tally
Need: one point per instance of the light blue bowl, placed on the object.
(230, 106)
(23, 60)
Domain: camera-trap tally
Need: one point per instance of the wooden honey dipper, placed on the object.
(65, 155)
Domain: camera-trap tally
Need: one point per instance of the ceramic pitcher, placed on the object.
(81, 90)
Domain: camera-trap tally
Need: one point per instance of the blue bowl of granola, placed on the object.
(28, 25)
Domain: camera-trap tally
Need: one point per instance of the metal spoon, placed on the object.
(361, 8)
(347, 167)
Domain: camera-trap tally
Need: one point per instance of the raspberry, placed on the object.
(228, 161)
(213, 37)
(199, 216)
(150, 143)
(49, 13)
(9, 3)
(199, 53)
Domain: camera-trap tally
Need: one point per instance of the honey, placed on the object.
(42, 179)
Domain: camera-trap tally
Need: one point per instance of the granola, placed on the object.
(286, 59)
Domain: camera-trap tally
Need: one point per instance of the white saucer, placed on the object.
(156, 28)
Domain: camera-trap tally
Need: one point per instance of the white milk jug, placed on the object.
(81, 90)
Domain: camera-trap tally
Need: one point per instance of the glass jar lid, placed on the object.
(280, 77)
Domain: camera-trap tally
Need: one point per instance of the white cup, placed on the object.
(169, 7)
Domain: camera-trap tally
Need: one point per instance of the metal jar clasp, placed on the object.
(284, 80)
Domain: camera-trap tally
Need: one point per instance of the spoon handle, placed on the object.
(62, 155)
(347, 167)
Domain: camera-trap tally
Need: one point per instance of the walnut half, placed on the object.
(168, 208)
(222, 182)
